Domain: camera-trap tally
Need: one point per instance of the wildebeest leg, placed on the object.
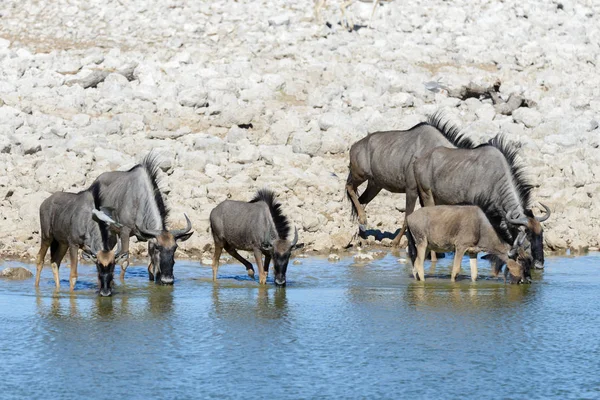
(411, 202)
(215, 261)
(375, 3)
(419, 266)
(124, 236)
(262, 274)
(57, 253)
(348, 24)
(267, 262)
(73, 254)
(458, 255)
(236, 255)
(40, 261)
(427, 199)
(473, 264)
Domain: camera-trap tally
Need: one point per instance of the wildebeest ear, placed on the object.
(121, 256)
(297, 246)
(184, 237)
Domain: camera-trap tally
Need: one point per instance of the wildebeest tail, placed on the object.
(412, 247)
(353, 209)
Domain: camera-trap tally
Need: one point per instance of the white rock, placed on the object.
(527, 116)
(333, 257)
(196, 97)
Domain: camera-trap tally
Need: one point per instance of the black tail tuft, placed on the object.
(412, 247)
(353, 206)
(281, 222)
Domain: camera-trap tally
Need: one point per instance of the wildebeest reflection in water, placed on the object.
(76, 307)
(233, 302)
(482, 295)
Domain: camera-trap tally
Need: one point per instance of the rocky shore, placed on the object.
(242, 95)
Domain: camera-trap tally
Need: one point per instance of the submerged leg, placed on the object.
(40, 261)
(215, 261)
(267, 262)
(419, 267)
(124, 236)
(237, 256)
(73, 254)
(57, 253)
(473, 264)
(262, 274)
(458, 255)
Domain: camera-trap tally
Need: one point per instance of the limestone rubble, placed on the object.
(241, 95)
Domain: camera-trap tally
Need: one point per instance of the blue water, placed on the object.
(339, 330)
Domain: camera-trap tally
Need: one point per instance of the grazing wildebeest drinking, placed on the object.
(463, 229)
(490, 176)
(139, 206)
(69, 222)
(385, 160)
(258, 226)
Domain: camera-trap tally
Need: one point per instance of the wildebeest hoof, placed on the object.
(362, 227)
(251, 273)
(538, 265)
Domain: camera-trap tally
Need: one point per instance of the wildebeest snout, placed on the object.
(166, 280)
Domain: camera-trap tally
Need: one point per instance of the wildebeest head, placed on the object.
(161, 248)
(535, 233)
(280, 251)
(105, 261)
(519, 262)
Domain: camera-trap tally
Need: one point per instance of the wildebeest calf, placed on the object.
(464, 229)
(258, 226)
(70, 221)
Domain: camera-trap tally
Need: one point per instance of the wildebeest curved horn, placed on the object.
(295, 237)
(546, 215)
(150, 232)
(516, 221)
(180, 232)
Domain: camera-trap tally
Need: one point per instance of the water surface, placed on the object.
(338, 330)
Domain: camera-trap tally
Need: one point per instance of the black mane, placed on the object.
(151, 164)
(281, 222)
(517, 169)
(448, 129)
(495, 217)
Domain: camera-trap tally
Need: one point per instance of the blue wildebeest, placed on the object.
(69, 222)
(140, 207)
(258, 226)
(490, 176)
(463, 229)
(385, 161)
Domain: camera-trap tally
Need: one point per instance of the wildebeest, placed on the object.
(463, 229)
(490, 176)
(70, 221)
(385, 160)
(140, 207)
(258, 226)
